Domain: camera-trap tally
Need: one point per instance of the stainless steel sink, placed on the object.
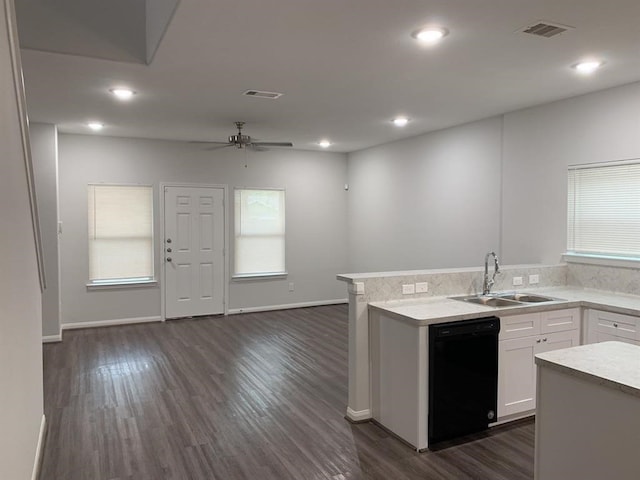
(527, 297)
(493, 301)
(506, 299)
(489, 300)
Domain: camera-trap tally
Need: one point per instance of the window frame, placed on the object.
(258, 275)
(124, 282)
(573, 255)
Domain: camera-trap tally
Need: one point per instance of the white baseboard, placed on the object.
(359, 415)
(39, 449)
(109, 323)
(269, 308)
(52, 338)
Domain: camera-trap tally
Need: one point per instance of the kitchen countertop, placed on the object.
(610, 364)
(426, 311)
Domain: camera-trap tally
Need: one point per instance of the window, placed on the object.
(604, 210)
(259, 232)
(120, 234)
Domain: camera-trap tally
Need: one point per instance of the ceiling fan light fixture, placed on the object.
(324, 143)
(588, 67)
(400, 121)
(122, 93)
(430, 35)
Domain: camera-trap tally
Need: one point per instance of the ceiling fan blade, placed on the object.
(221, 145)
(272, 144)
(214, 145)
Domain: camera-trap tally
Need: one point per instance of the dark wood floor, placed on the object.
(254, 396)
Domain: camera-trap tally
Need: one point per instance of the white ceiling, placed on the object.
(346, 67)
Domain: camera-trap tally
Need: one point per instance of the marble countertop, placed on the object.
(610, 364)
(426, 311)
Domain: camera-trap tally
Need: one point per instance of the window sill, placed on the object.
(258, 276)
(608, 261)
(115, 285)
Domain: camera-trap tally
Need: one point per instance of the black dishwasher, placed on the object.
(463, 377)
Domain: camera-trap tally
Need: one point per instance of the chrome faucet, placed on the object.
(488, 282)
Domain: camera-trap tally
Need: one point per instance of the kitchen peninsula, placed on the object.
(377, 305)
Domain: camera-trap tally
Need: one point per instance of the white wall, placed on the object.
(44, 152)
(431, 201)
(316, 217)
(539, 144)
(444, 199)
(21, 396)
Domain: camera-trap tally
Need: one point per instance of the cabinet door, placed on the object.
(612, 326)
(556, 341)
(598, 337)
(518, 326)
(517, 369)
(516, 375)
(560, 320)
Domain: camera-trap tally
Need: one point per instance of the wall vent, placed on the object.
(545, 29)
(262, 94)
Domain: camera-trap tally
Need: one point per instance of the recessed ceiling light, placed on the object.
(588, 67)
(400, 121)
(95, 126)
(122, 93)
(324, 143)
(430, 35)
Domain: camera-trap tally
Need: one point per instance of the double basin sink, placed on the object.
(507, 299)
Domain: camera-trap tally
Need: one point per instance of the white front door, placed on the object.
(193, 251)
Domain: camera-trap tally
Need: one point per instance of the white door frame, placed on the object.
(225, 246)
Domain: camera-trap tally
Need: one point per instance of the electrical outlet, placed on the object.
(533, 279)
(422, 287)
(409, 289)
(517, 281)
(292, 287)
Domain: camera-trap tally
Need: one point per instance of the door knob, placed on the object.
(168, 259)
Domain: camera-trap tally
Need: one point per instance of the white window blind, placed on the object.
(120, 233)
(604, 209)
(259, 232)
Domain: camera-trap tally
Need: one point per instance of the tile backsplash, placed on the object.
(613, 279)
(388, 285)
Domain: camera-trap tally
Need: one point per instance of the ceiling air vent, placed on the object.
(545, 29)
(262, 94)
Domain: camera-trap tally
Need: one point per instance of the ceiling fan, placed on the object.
(240, 140)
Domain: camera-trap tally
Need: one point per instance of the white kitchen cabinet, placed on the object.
(521, 338)
(606, 326)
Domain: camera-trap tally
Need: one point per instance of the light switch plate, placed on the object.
(533, 279)
(422, 287)
(517, 281)
(409, 289)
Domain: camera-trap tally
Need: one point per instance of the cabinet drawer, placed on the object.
(617, 325)
(517, 326)
(560, 320)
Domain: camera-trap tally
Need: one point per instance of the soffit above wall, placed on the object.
(120, 30)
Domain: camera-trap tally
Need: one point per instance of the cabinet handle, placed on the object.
(538, 341)
(544, 339)
(615, 325)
